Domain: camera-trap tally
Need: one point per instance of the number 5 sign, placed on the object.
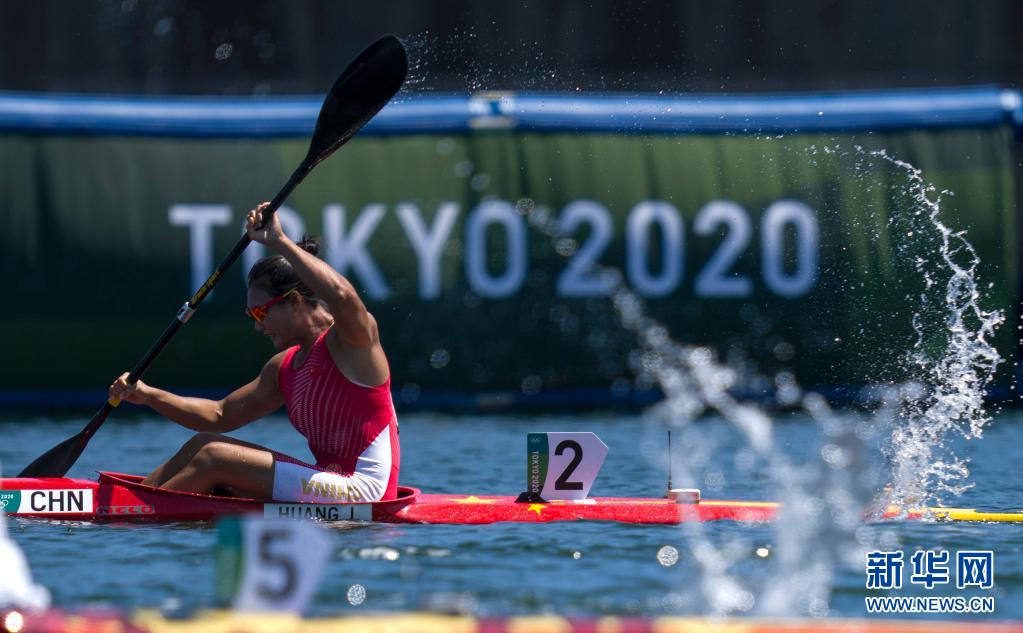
(562, 465)
(267, 564)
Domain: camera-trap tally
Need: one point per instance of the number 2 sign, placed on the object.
(562, 465)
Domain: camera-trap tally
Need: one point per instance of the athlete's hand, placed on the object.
(270, 234)
(135, 394)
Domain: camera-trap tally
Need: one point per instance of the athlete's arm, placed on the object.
(355, 329)
(260, 397)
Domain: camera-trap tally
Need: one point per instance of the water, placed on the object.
(569, 568)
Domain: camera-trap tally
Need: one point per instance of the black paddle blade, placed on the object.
(366, 85)
(58, 460)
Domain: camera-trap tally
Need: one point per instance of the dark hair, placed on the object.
(276, 276)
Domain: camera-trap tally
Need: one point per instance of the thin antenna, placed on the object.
(669, 461)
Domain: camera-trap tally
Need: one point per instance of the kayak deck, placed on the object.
(116, 497)
(473, 509)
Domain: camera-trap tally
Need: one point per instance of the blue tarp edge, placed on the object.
(29, 113)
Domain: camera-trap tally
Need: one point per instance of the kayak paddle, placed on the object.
(365, 86)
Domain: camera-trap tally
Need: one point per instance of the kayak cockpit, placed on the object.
(124, 495)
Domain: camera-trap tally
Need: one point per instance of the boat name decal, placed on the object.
(320, 511)
(118, 510)
(52, 501)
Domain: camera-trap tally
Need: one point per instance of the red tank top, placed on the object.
(339, 418)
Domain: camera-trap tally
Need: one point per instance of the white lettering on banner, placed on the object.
(654, 245)
(807, 248)
(714, 280)
(294, 227)
(580, 277)
(200, 220)
(347, 248)
(502, 213)
(428, 243)
(637, 248)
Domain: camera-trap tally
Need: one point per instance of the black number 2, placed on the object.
(562, 482)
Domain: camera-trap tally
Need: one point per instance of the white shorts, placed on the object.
(301, 482)
(298, 481)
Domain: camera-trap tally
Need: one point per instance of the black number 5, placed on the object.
(562, 482)
(270, 558)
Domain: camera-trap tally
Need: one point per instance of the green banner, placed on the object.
(790, 251)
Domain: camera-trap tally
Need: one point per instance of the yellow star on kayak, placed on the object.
(535, 507)
(472, 499)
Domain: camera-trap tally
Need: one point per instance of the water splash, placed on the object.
(455, 59)
(418, 47)
(481, 57)
(822, 503)
(954, 372)
(824, 500)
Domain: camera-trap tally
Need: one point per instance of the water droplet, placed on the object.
(445, 146)
(531, 385)
(356, 595)
(14, 621)
(667, 556)
(440, 358)
(223, 51)
(819, 608)
(566, 247)
(479, 182)
(163, 27)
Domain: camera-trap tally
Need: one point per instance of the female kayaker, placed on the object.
(331, 373)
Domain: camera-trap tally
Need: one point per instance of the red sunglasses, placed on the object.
(258, 313)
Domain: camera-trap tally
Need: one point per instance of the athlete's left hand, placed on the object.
(271, 234)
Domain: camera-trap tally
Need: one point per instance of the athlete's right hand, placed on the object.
(270, 233)
(135, 394)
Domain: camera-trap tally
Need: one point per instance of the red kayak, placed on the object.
(115, 497)
(119, 498)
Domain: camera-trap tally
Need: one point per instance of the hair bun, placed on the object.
(310, 245)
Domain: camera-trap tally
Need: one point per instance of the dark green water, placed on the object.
(569, 568)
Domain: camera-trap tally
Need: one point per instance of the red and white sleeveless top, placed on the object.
(350, 428)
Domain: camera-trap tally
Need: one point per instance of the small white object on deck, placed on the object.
(684, 495)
